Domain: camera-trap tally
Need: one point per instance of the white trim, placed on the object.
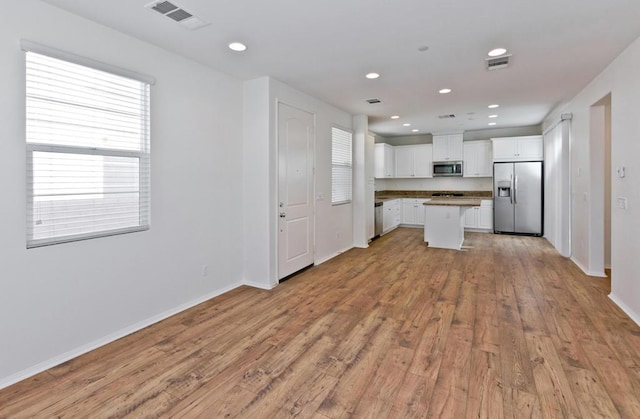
(259, 285)
(76, 352)
(628, 311)
(339, 252)
(586, 271)
(30, 46)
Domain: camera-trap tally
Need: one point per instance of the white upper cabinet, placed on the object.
(527, 148)
(413, 161)
(477, 159)
(447, 147)
(384, 161)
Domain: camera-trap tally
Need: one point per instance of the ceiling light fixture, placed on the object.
(415, 130)
(444, 91)
(496, 52)
(395, 117)
(493, 106)
(493, 116)
(491, 123)
(406, 125)
(372, 76)
(237, 46)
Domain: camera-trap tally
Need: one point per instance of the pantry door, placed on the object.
(296, 139)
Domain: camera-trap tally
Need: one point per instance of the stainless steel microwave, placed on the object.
(447, 168)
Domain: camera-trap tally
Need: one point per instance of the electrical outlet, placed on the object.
(205, 270)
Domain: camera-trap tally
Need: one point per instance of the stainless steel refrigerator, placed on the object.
(517, 198)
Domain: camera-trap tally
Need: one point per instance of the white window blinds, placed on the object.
(341, 166)
(88, 152)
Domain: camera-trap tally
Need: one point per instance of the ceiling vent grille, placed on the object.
(373, 101)
(447, 116)
(498, 63)
(177, 13)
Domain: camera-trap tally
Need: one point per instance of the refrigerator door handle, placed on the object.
(511, 189)
(515, 190)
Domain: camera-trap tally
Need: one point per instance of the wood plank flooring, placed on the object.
(507, 328)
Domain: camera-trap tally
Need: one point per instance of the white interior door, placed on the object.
(296, 137)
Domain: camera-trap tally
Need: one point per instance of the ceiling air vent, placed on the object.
(177, 13)
(447, 116)
(498, 63)
(373, 101)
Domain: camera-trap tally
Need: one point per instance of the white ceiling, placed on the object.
(325, 47)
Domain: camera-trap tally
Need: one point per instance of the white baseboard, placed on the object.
(632, 314)
(323, 260)
(259, 285)
(76, 352)
(586, 271)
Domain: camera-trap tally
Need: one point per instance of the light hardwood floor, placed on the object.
(507, 328)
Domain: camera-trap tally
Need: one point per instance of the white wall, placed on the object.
(620, 79)
(334, 224)
(60, 300)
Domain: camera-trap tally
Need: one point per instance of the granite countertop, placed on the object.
(468, 198)
(455, 201)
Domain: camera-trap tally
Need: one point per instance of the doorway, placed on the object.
(600, 144)
(296, 222)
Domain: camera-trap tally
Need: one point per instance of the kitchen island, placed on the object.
(444, 221)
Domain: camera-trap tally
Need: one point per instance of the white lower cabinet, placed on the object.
(479, 218)
(391, 215)
(413, 211)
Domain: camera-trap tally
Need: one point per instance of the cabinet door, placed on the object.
(420, 214)
(440, 147)
(379, 160)
(504, 149)
(404, 161)
(422, 160)
(470, 168)
(387, 218)
(483, 159)
(389, 161)
(456, 152)
(408, 213)
(529, 148)
(471, 217)
(485, 217)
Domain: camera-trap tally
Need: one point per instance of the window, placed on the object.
(88, 151)
(341, 166)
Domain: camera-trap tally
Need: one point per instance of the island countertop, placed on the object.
(455, 202)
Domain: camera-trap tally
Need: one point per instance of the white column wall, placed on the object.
(620, 79)
(334, 224)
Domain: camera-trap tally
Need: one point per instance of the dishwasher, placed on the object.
(378, 214)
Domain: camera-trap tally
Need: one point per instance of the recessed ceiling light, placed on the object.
(415, 130)
(491, 123)
(493, 106)
(406, 125)
(444, 91)
(372, 76)
(395, 117)
(493, 116)
(237, 46)
(497, 52)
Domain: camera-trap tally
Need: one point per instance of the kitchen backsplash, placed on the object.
(435, 184)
